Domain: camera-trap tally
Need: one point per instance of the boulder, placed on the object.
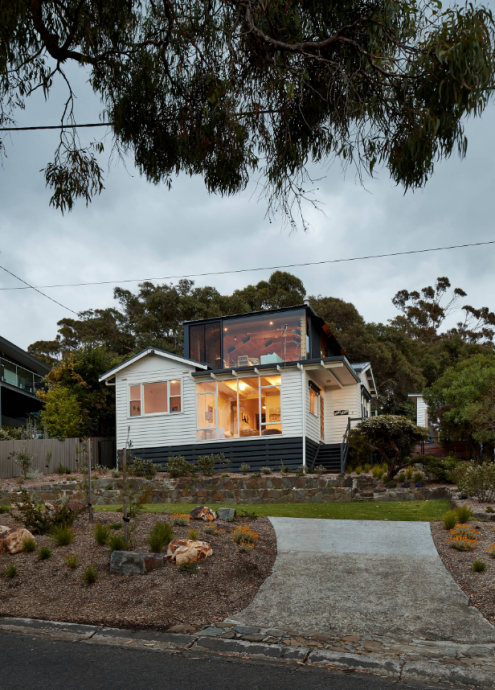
(11, 539)
(203, 513)
(50, 506)
(134, 563)
(228, 514)
(188, 551)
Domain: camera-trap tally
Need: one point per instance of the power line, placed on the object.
(248, 270)
(27, 129)
(31, 287)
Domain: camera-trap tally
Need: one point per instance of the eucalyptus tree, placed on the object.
(228, 89)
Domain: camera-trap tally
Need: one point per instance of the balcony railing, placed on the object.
(19, 376)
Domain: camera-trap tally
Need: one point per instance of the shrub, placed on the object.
(437, 468)
(40, 521)
(283, 468)
(450, 519)
(310, 470)
(62, 469)
(177, 466)
(62, 535)
(401, 477)
(491, 550)
(190, 568)
(115, 525)
(463, 538)
(245, 468)
(479, 481)
(244, 537)
(181, 519)
(300, 471)
(28, 545)
(90, 576)
(464, 513)
(10, 571)
(160, 536)
(116, 474)
(193, 534)
(44, 553)
(367, 467)
(256, 475)
(266, 470)
(101, 533)
(4, 509)
(478, 566)
(34, 475)
(23, 459)
(141, 468)
(319, 469)
(72, 561)
(409, 473)
(207, 463)
(358, 470)
(211, 530)
(418, 477)
(117, 542)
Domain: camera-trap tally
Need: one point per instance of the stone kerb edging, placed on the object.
(233, 490)
(405, 659)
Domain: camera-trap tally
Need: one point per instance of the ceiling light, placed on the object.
(242, 386)
(271, 323)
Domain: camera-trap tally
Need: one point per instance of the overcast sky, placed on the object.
(137, 230)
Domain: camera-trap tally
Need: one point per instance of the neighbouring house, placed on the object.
(260, 388)
(434, 445)
(21, 375)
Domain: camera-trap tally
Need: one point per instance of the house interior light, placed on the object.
(242, 386)
(271, 323)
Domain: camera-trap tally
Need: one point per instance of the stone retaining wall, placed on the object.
(233, 490)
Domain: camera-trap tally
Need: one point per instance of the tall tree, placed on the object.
(225, 88)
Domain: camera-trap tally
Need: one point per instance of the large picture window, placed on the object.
(162, 397)
(239, 408)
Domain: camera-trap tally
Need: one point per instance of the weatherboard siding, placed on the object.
(347, 398)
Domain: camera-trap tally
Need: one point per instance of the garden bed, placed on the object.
(224, 584)
(479, 587)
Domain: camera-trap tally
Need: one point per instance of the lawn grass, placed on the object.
(424, 511)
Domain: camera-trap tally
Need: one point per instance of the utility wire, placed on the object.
(67, 126)
(31, 287)
(248, 270)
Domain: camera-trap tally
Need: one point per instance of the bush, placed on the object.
(450, 519)
(44, 553)
(283, 468)
(177, 466)
(266, 470)
(141, 468)
(209, 529)
(190, 568)
(62, 535)
(10, 571)
(437, 468)
(101, 533)
(72, 561)
(181, 519)
(90, 576)
(401, 477)
(367, 467)
(256, 475)
(117, 542)
(116, 474)
(193, 534)
(41, 521)
(478, 566)
(358, 470)
(463, 538)
(28, 545)
(207, 463)
(160, 536)
(300, 471)
(418, 477)
(479, 481)
(244, 537)
(4, 509)
(23, 459)
(61, 469)
(319, 469)
(245, 468)
(115, 525)
(464, 513)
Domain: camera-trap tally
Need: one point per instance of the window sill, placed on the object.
(156, 414)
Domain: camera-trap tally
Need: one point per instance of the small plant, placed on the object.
(463, 538)
(418, 477)
(141, 468)
(62, 535)
(478, 566)
(249, 514)
(379, 473)
(225, 475)
(23, 459)
(409, 473)
(464, 513)
(101, 533)
(358, 470)
(244, 537)
(367, 467)
(62, 469)
(4, 509)
(256, 475)
(207, 463)
(160, 536)
(491, 550)
(40, 521)
(116, 474)
(190, 568)
(401, 477)
(450, 519)
(34, 475)
(72, 561)
(319, 469)
(10, 571)
(44, 553)
(115, 525)
(90, 576)
(310, 470)
(117, 542)
(266, 470)
(193, 534)
(283, 468)
(177, 466)
(28, 545)
(300, 471)
(181, 519)
(489, 510)
(245, 468)
(209, 529)
(478, 480)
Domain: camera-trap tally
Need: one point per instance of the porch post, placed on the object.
(303, 406)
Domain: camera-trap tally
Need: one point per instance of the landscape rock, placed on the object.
(188, 551)
(182, 628)
(203, 513)
(134, 563)
(11, 539)
(227, 514)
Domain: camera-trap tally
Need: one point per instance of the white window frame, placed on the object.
(143, 408)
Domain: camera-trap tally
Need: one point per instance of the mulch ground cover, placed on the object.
(224, 584)
(480, 587)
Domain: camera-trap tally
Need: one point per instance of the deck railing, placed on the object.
(20, 376)
(344, 448)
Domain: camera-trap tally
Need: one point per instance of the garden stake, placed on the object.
(90, 507)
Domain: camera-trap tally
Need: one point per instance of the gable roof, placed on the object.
(361, 368)
(145, 353)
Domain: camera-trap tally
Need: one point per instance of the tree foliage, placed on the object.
(224, 89)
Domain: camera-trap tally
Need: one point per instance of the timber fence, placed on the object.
(67, 452)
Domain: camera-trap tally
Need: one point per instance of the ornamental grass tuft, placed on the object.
(464, 513)
(193, 534)
(72, 561)
(478, 566)
(89, 576)
(450, 519)
(117, 542)
(62, 535)
(28, 545)
(160, 536)
(358, 470)
(101, 533)
(44, 553)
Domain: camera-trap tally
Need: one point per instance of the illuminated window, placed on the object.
(155, 397)
(313, 402)
(135, 404)
(175, 399)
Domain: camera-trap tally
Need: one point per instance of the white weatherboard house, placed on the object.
(259, 388)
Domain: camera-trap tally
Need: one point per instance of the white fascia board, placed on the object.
(145, 353)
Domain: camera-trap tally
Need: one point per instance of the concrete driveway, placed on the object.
(363, 577)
